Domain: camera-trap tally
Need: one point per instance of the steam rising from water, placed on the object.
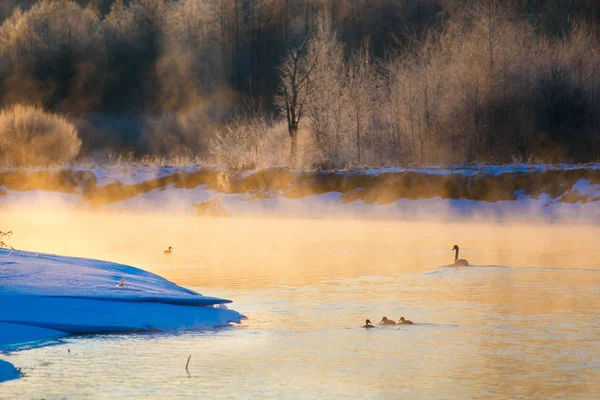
(273, 251)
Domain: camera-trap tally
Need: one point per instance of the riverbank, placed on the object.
(45, 297)
(564, 192)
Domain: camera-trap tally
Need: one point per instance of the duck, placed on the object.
(169, 250)
(459, 262)
(368, 324)
(403, 321)
(385, 321)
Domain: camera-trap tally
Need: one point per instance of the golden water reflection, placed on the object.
(522, 323)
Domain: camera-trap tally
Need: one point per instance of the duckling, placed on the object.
(385, 321)
(403, 321)
(368, 324)
(169, 250)
(459, 263)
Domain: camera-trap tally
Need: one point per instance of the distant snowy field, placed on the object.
(45, 297)
(182, 189)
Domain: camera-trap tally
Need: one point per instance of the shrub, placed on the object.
(30, 136)
(248, 143)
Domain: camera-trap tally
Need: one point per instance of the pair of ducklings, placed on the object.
(385, 321)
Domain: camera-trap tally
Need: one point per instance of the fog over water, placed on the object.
(521, 323)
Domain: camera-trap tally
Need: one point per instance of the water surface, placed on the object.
(524, 323)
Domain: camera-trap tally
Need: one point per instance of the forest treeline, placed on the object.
(302, 83)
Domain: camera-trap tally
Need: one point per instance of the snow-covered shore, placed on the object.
(522, 192)
(8, 371)
(45, 297)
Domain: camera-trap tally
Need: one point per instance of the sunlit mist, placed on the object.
(282, 251)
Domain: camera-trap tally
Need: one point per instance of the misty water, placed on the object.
(524, 322)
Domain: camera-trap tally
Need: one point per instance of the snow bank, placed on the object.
(523, 192)
(8, 372)
(40, 199)
(176, 199)
(45, 296)
(331, 205)
(334, 205)
(585, 188)
(129, 175)
(492, 170)
(13, 335)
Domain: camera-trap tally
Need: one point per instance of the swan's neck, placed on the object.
(456, 255)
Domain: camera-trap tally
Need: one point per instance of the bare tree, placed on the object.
(324, 105)
(295, 88)
(360, 88)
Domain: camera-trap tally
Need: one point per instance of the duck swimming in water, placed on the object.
(385, 321)
(368, 324)
(169, 250)
(459, 263)
(403, 321)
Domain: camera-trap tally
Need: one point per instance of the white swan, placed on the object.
(459, 263)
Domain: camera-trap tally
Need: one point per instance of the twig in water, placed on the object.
(5, 246)
(187, 365)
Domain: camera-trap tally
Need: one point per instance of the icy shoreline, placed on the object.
(521, 192)
(44, 297)
(8, 371)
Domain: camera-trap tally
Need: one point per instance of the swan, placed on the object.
(169, 250)
(368, 324)
(403, 321)
(459, 263)
(385, 321)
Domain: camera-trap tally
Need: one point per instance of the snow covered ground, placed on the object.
(8, 371)
(44, 297)
(523, 192)
(332, 205)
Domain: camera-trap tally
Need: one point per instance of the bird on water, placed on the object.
(169, 250)
(368, 324)
(459, 262)
(385, 321)
(403, 321)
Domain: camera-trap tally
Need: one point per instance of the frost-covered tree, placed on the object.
(135, 32)
(325, 103)
(295, 87)
(361, 89)
(55, 55)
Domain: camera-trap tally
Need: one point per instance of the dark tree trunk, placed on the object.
(293, 146)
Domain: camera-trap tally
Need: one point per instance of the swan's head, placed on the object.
(455, 248)
(384, 319)
(368, 322)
